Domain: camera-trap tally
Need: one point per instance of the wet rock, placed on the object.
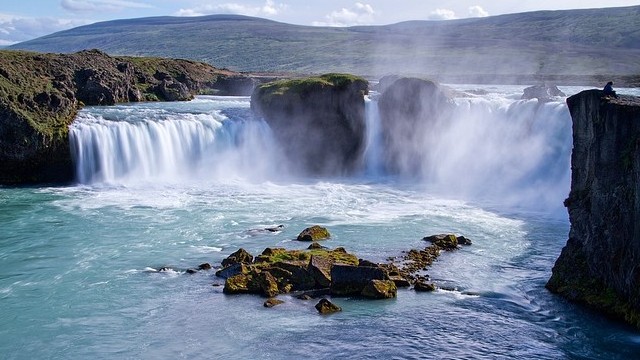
(315, 245)
(464, 241)
(542, 92)
(380, 289)
(237, 284)
(267, 284)
(240, 256)
(271, 302)
(444, 241)
(325, 306)
(423, 286)
(314, 233)
(232, 270)
(368, 263)
(351, 280)
(320, 268)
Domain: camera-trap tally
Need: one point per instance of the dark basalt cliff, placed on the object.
(40, 95)
(600, 265)
(319, 121)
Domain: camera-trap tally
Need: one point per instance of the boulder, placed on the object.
(232, 270)
(320, 269)
(271, 302)
(542, 92)
(314, 233)
(424, 286)
(325, 306)
(318, 121)
(380, 289)
(241, 256)
(351, 280)
(444, 241)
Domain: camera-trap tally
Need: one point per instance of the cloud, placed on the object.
(102, 5)
(23, 29)
(477, 11)
(270, 8)
(442, 14)
(358, 14)
(15, 29)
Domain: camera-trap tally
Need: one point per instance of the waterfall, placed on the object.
(498, 148)
(120, 145)
(373, 153)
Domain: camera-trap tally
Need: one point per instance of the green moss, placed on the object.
(302, 86)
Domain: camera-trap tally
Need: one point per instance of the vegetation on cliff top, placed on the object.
(301, 86)
(40, 95)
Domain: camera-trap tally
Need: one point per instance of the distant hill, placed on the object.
(571, 42)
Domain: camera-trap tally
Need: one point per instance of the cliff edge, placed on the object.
(40, 95)
(600, 264)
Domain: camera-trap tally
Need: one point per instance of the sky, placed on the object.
(22, 20)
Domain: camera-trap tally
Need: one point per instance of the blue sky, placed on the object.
(22, 20)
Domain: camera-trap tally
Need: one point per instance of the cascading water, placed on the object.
(137, 143)
(493, 148)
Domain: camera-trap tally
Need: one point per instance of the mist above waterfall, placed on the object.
(492, 147)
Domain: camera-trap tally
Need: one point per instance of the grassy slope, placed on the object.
(552, 42)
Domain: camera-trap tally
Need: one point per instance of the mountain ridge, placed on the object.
(564, 42)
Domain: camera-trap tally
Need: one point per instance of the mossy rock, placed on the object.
(380, 289)
(314, 233)
(444, 241)
(241, 256)
(325, 306)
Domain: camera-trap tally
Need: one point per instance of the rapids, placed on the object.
(179, 184)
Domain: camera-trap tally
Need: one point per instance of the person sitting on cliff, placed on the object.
(608, 90)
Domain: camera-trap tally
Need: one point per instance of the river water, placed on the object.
(178, 184)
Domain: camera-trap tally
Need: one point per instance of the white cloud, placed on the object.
(101, 5)
(442, 14)
(15, 29)
(477, 11)
(358, 14)
(270, 8)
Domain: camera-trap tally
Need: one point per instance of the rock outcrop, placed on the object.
(543, 92)
(600, 264)
(40, 95)
(318, 121)
(410, 112)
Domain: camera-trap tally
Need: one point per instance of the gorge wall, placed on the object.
(600, 264)
(40, 95)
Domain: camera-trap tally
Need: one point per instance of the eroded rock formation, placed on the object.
(600, 264)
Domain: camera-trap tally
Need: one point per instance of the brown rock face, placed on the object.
(599, 264)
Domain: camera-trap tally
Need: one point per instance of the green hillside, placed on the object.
(572, 42)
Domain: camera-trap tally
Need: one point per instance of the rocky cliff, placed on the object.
(40, 95)
(600, 265)
(319, 121)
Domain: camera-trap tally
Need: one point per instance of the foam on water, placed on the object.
(79, 265)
